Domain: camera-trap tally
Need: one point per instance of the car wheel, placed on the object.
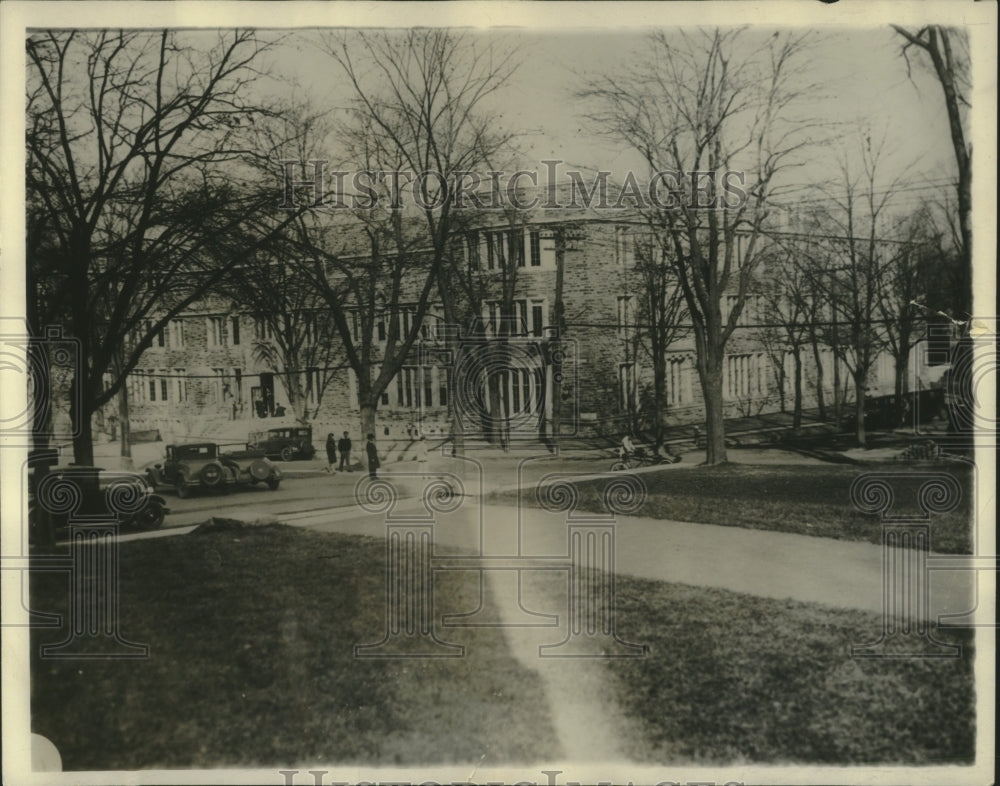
(151, 516)
(273, 483)
(211, 475)
(619, 466)
(260, 470)
(287, 453)
(183, 489)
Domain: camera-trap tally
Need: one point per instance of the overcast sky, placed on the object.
(862, 76)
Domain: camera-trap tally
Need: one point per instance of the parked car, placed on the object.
(203, 465)
(96, 491)
(287, 443)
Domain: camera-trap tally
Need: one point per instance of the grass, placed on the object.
(808, 500)
(733, 678)
(251, 633)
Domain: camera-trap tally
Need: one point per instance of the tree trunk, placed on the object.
(659, 397)
(797, 403)
(901, 386)
(558, 311)
(859, 410)
(367, 420)
(710, 372)
(780, 365)
(81, 417)
(40, 368)
(838, 399)
(820, 396)
(125, 425)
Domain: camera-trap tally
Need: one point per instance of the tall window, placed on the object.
(234, 332)
(678, 378)
(262, 329)
(745, 375)
(623, 246)
(535, 248)
(428, 385)
(180, 384)
(220, 385)
(216, 331)
(444, 378)
(176, 332)
(624, 314)
(627, 392)
(472, 250)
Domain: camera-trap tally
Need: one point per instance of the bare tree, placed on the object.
(846, 261)
(660, 317)
(907, 279)
(792, 308)
(716, 102)
(948, 52)
(133, 218)
(418, 107)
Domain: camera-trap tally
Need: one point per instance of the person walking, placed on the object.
(344, 446)
(420, 453)
(372, 451)
(331, 452)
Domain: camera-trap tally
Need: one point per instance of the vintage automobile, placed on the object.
(203, 465)
(286, 442)
(88, 491)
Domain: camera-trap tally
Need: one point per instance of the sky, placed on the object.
(861, 78)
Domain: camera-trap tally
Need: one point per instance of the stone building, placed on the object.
(205, 374)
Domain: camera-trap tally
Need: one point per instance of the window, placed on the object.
(310, 327)
(745, 375)
(537, 318)
(491, 262)
(220, 385)
(678, 382)
(180, 384)
(624, 314)
(234, 333)
(176, 332)
(428, 384)
(159, 337)
(515, 246)
(528, 317)
(409, 386)
(312, 385)
(216, 331)
(152, 388)
(472, 250)
(262, 329)
(535, 248)
(164, 383)
(627, 392)
(444, 379)
(623, 246)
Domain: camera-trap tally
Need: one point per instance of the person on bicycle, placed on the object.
(626, 449)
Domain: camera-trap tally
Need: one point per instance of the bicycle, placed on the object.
(641, 458)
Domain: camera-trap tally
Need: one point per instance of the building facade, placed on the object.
(206, 374)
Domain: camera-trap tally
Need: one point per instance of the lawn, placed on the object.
(732, 678)
(808, 500)
(251, 632)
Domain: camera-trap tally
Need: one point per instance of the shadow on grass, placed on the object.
(251, 632)
(733, 678)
